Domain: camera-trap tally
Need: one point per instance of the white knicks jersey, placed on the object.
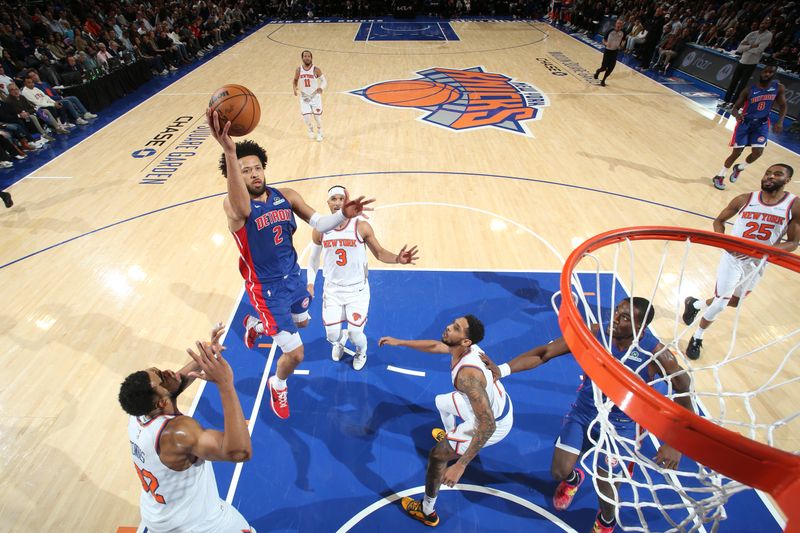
(308, 82)
(498, 398)
(762, 222)
(344, 255)
(171, 500)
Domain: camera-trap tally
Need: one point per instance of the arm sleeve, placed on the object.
(313, 263)
(326, 223)
(323, 82)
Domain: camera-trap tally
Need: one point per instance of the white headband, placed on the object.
(334, 191)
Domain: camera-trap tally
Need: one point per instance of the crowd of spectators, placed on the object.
(51, 45)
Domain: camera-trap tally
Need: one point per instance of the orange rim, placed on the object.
(731, 454)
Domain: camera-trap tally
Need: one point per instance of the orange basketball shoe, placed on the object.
(600, 527)
(413, 508)
(565, 492)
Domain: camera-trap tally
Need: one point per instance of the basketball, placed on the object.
(238, 105)
(412, 93)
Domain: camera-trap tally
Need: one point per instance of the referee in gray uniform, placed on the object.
(613, 41)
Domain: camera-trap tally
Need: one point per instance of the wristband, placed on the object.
(505, 370)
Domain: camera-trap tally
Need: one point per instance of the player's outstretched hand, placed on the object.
(213, 367)
(357, 207)
(491, 366)
(407, 257)
(388, 341)
(216, 335)
(220, 131)
(667, 457)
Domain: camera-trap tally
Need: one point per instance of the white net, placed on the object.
(747, 378)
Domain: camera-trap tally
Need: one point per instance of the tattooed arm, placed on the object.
(471, 382)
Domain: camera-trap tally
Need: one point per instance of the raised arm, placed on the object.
(729, 211)
(351, 209)
(429, 346)
(184, 437)
(382, 254)
(188, 373)
(471, 382)
(237, 202)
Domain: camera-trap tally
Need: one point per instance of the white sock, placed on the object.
(427, 504)
(318, 120)
(723, 171)
(698, 304)
(743, 166)
(278, 383)
(699, 334)
(260, 327)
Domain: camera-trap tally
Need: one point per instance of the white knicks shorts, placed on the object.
(737, 277)
(348, 304)
(229, 520)
(310, 105)
(461, 437)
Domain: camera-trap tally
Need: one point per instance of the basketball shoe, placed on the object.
(719, 182)
(565, 492)
(693, 349)
(250, 332)
(413, 508)
(735, 173)
(278, 399)
(689, 311)
(601, 527)
(337, 351)
(359, 361)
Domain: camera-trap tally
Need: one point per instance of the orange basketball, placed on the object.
(412, 93)
(238, 105)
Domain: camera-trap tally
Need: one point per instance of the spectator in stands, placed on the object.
(5, 81)
(637, 36)
(24, 110)
(673, 46)
(46, 107)
(655, 28)
(73, 105)
(726, 42)
(751, 48)
(102, 56)
(71, 71)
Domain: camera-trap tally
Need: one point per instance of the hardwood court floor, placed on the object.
(88, 299)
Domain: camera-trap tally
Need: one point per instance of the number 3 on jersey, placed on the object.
(342, 261)
(149, 483)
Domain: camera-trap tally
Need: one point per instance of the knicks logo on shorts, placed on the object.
(761, 139)
(463, 99)
(306, 302)
(356, 317)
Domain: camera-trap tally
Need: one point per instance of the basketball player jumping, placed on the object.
(763, 216)
(262, 221)
(482, 404)
(752, 124)
(644, 355)
(312, 82)
(345, 295)
(171, 452)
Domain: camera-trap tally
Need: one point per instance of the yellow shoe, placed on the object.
(438, 434)
(413, 508)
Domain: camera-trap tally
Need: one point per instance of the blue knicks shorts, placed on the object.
(574, 436)
(276, 302)
(747, 133)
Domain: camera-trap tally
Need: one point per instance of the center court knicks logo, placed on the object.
(463, 99)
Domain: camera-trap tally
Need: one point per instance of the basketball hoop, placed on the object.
(716, 449)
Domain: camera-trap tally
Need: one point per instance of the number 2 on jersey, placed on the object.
(149, 483)
(756, 231)
(278, 231)
(342, 257)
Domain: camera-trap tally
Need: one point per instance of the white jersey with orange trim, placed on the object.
(344, 256)
(308, 81)
(171, 500)
(494, 389)
(762, 222)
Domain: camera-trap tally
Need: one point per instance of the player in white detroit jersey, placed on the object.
(480, 402)
(171, 452)
(764, 216)
(311, 82)
(345, 295)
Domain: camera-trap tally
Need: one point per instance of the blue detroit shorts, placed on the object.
(753, 133)
(283, 298)
(574, 436)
